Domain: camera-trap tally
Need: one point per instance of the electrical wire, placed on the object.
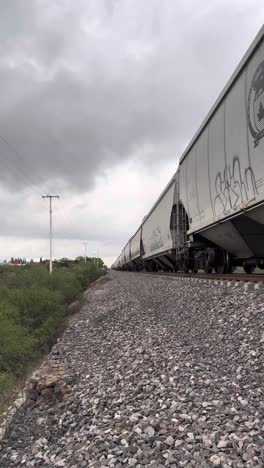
(22, 174)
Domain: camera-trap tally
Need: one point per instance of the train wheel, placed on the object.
(208, 268)
(194, 265)
(249, 267)
(185, 268)
(194, 268)
(209, 262)
(222, 262)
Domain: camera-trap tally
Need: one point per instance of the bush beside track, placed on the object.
(33, 310)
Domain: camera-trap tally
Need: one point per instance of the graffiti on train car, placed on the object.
(156, 241)
(256, 105)
(234, 188)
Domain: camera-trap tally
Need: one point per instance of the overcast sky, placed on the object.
(99, 98)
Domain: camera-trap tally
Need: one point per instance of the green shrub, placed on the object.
(6, 381)
(86, 273)
(30, 321)
(67, 283)
(16, 349)
(24, 276)
(33, 307)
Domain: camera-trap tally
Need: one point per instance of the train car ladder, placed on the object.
(181, 224)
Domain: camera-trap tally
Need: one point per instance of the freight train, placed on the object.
(210, 216)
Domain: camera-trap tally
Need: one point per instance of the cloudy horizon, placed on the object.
(99, 100)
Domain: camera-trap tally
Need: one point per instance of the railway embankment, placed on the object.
(153, 371)
(34, 308)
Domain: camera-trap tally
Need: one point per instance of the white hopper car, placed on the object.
(211, 214)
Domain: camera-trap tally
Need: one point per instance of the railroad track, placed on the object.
(252, 278)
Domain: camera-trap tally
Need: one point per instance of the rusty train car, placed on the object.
(211, 214)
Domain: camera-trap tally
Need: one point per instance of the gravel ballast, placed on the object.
(153, 371)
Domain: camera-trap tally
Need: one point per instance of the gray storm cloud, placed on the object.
(88, 84)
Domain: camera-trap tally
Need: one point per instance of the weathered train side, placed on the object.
(157, 239)
(211, 214)
(136, 249)
(222, 173)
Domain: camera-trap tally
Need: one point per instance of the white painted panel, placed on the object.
(203, 183)
(122, 260)
(255, 112)
(127, 252)
(156, 235)
(219, 195)
(135, 245)
(194, 218)
(237, 172)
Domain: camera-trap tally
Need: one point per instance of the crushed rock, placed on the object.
(154, 371)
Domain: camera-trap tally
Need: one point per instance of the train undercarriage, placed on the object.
(203, 251)
(196, 256)
(211, 260)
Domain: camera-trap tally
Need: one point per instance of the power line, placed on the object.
(20, 171)
(24, 175)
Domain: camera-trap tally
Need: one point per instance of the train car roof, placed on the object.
(229, 84)
(134, 235)
(172, 180)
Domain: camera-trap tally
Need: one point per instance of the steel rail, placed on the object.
(253, 278)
